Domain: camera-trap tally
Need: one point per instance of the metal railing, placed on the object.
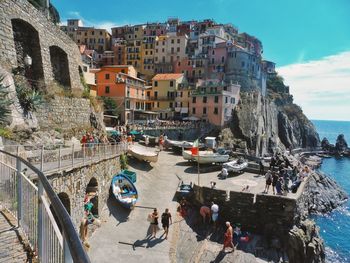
(33, 206)
(55, 158)
(37, 207)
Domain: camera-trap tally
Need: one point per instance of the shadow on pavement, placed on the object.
(203, 169)
(140, 165)
(117, 211)
(148, 240)
(219, 257)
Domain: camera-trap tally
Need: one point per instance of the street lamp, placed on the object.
(27, 69)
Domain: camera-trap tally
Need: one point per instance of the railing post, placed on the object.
(73, 155)
(40, 222)
(19, 189)
(59, 157)
(67, 257)
(42, 159)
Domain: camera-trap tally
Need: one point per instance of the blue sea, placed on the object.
(335, 227)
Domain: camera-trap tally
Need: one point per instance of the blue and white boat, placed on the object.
(124, 191)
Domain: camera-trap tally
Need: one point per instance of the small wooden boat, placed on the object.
(205, 157)
(124, 191)
(235, 166)
(143, 153)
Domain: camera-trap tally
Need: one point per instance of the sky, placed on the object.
(309, 40)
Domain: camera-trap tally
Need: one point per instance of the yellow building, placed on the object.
(133, 54)
(96, 39)
(161, 98)
(147, 59)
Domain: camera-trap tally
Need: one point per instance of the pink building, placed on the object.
(217, 58)
(213, 101)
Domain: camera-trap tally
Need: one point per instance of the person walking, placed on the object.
(274, 181)
(205, 213)
(261, 167)
(268, 178)
(228, 237)
(154, 222)
(214, 213)
(166, 221)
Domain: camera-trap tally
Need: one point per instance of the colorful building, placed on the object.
(214, 101)
(122, 85)
(161, 98)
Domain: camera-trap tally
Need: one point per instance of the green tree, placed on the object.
(28, 98)
(110, 106)
(4, 103)
(276, 84)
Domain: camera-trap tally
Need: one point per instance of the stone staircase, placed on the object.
(11, 249)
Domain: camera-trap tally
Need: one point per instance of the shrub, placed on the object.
(28, 98)
(4, 103)
(123, 162)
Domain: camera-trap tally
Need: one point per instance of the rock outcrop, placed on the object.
(341, 144)
(304, 244)
(267, 124)
(323, 194)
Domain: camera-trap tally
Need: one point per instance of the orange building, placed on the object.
(128, 91)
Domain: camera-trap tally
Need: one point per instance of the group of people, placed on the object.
(166, 221)
(281, 172)
(89, 141)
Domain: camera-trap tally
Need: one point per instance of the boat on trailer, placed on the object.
(141, 153)
(124, 191)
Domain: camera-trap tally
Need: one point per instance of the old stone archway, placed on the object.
(27, 42)
(64, 197)
(60, 66)
(92, 192)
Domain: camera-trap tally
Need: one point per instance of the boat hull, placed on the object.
(143, 156)
(129, 199)
(234, 166)
(205, 157)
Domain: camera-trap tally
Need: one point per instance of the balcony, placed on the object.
(202, 93)
(158, 98)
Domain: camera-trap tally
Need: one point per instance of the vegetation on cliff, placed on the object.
(4, 103)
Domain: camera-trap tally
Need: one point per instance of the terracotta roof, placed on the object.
(167, 76)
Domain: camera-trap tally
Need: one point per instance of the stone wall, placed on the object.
(49, 36)
(74, 183)
(258, 214)
(64, 114)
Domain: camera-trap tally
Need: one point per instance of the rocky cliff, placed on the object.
(271, 122)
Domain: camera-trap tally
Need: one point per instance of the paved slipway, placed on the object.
(122, 237)
(11, 250)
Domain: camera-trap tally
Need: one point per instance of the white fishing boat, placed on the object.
(143, 153)
(235, 165)
(205, 157)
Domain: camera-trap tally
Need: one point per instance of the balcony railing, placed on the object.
(163, 98)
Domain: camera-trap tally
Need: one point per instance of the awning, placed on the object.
(184, 110)
(191, 118)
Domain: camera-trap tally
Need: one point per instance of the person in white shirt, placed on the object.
(214, 213)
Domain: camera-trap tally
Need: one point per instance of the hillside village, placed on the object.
(173, 70)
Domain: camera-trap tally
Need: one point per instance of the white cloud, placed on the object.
(92, 23)
(321, 87)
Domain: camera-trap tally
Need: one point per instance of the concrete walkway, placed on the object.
(124, 237)
(11, 250)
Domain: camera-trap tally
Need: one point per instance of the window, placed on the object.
(178, 40)
(107, 89)
(204, 99)
(204, 110)
(107, 76)
(156, 95)
(216, 99)
(222, 59)
(171, 83)
(242, 64)
(158, 104)
(193, 110)
(178, 49)
(233, 100)
(216, 111)
(148, 94)
(172, 41)
(194, 99)
(170, 104)
(226, 99)
(123, 71)
(127, 104)
(156, 83)
(181, 94)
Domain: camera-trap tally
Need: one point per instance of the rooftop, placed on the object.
(168, 76)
